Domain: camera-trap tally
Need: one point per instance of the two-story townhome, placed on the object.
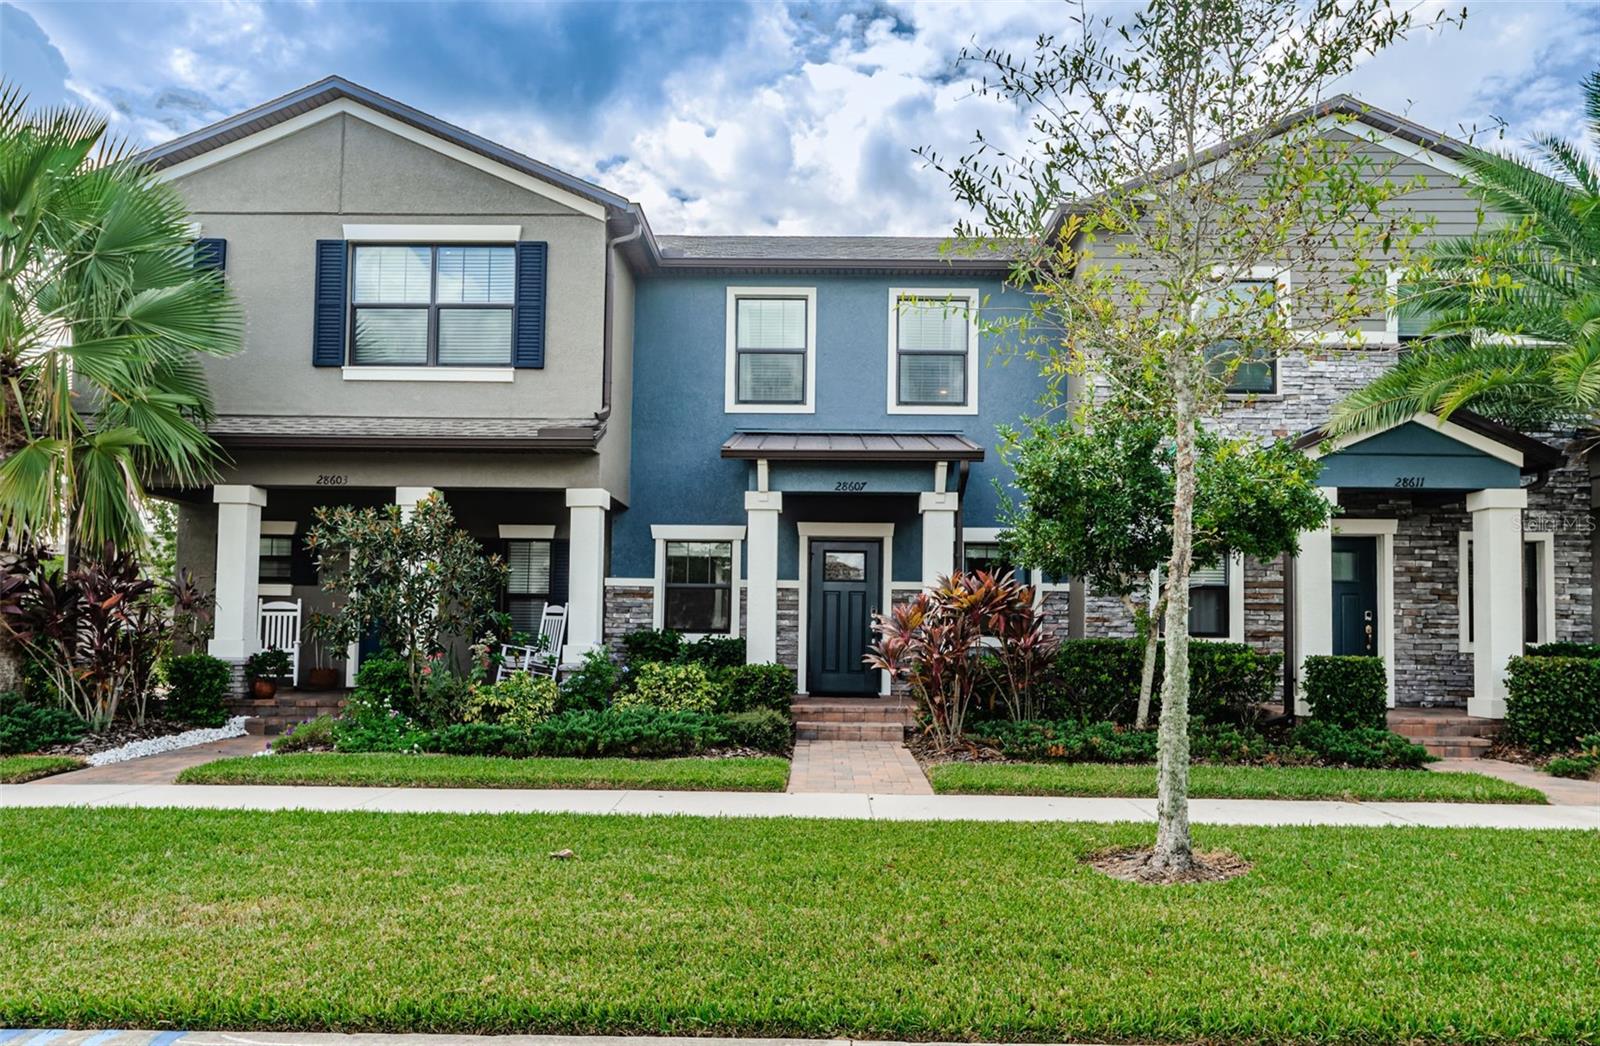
(769, 437)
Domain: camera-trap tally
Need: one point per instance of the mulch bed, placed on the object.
(1133, 865)
(928, 751)
(118, 734)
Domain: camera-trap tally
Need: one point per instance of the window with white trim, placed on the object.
(697, 588)
(1209, 601)
(416, 305)
(1245, 370)
(932, 350)
(771, 340)
(277, 557)
(527, 583)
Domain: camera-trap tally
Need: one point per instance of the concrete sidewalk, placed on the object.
(778, 804)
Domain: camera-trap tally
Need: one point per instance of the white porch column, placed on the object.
(1313, 598)
(938, 535)
(1496, 595)
(234, 635)
(761, 584)
(586, 571)
(407, 498)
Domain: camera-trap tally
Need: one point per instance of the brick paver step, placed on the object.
(825, 731)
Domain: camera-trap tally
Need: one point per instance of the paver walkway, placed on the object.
(1562, 791)
(867, 767)
(164, 767)
(779, 804)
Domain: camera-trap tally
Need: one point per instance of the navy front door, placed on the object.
(1355, 596)
(846, 584)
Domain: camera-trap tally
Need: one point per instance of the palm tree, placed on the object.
(1514, 311)
(104, 318)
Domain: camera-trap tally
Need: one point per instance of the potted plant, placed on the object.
(265, 669)
(323, 675)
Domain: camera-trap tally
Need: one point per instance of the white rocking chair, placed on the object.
(543, 657)
(279, 629)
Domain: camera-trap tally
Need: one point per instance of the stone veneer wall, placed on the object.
(628, 609)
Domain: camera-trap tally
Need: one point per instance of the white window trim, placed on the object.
(431, 234)
(278, 528)
(527, 531)
(1384, 530)
(1391, 314)
(842, 531)
(477, 374)
(1546, 541)
(663, 533)
(1235, 603)
(730, 382)
(972, 298)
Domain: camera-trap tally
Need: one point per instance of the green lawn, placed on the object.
(1228, 782)
(779, 927)
(15, 769)
(392, 770)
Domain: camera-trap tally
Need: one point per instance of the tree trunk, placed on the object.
(1152, 637)
(1173, 852)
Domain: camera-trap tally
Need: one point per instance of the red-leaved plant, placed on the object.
(937, 644)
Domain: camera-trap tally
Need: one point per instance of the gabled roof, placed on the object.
(334, 88)
(1535, 455)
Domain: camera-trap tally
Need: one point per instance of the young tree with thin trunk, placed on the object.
(1186, 207)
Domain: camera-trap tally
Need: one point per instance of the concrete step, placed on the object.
(853, 710)
(1444, 726)
(812, 730)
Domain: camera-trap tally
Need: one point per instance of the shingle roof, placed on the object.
(852, 446)
(857, 252)
(391, 433)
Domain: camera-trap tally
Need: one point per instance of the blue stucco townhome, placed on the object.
(769, 437)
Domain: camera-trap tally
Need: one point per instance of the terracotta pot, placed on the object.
(264, 689)
(322, 678)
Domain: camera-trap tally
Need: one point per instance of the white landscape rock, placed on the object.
(171, 743)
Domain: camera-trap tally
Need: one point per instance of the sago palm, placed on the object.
(104, 318)
(1514, 311)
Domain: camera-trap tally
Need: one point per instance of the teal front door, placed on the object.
(1355, 596)
(846, 583)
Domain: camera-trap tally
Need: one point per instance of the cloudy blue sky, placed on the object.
(718, 117)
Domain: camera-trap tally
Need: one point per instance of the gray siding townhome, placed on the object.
(769, 437)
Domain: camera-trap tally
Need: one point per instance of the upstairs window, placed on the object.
(1208, 601)
(446, 306)
(1411, 323)
(1246, 371)
(699, 586)
(771, 342)
(527, 583)
(932, 355)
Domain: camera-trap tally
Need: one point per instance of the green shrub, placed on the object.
(1589, 650)
(763, 729)
(592, 685)
(197, 688)
(478, 739)
(27, 727)
(1552, 701)
(745, 687)
(384, 678)
(1097, 680)
(1347, 691)
(713, 651)
(312, 734)
(1581, 767)
(444, 700)
(1366, 748)
(650, 645)
(1228, 744)
(626, 731)
(1071, 741)
(519, 701)
(394, 733)
(673, 688)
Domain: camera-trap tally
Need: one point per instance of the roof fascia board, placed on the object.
(1386, 139)
(350, 107)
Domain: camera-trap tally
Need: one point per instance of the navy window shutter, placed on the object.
(559, 565)
(532, 268)
(211, 254)
(328, 319)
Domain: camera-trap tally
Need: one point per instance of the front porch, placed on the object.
(1427, 562)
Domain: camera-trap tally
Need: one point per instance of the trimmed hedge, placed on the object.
(198, 689)
(1097, 680)
(746, 687)
(1552, 701)
(27, 727)
(1347, 691)
(1590, 650)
